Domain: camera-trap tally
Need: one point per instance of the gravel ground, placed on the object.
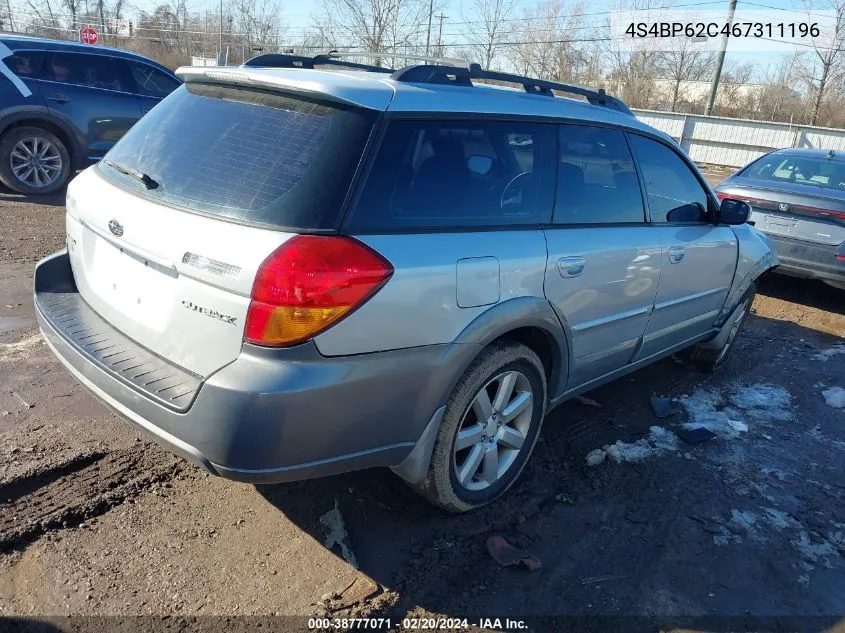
(747, 528)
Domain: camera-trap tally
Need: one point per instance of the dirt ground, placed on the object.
(742, 532)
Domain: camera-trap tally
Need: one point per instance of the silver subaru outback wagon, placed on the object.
(308, 266)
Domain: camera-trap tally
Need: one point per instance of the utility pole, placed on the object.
(220, 54)
(440, 37)
(428, 33)
(720, 60)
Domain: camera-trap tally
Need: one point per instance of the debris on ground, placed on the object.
(589, 402)
(594, 579)
(695, 436)
(507, 555)
(361, 589)
(26, 405)
(834, 397)
(336, 534)
(661, 406)
(827, 354)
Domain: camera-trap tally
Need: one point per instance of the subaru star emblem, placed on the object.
(116, 228)
(783, 206)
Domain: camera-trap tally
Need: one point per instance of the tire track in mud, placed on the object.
(87, 485)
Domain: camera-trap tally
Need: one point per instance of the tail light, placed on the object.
(308, 284)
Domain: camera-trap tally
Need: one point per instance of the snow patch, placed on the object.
(814, 552)
(659, 441)
(779, 518)
(760, 396)
(834, 397)
(827, 354)
(11, 351)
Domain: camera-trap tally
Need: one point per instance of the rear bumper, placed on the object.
(271, 415)
(805, 259)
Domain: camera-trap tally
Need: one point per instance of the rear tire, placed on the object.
(708, 359)
(477, 457)
(33, 161)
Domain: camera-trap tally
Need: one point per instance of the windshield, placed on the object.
(805, 170)
(244, 154)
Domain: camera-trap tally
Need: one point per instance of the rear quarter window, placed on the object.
(441, 174)
(24, 64)
(249, 155)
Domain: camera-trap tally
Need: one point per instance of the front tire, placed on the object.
(708, 359)
(489, 429)
(33, 161)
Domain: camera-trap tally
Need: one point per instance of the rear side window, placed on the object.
(92, 71)
(430, 174)
(597, 182)
(674, 193)
(24, 64)
(151, 82)
(245, 154)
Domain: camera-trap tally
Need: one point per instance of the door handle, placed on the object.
(570, 266)
(58, 99)
(676, 254)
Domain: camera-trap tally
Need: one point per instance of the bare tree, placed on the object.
(487, 27)
(684, 64)
(546, 41)
(828, 65)
(779, 100)
(374, 25)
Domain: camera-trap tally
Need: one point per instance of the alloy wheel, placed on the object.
(36, 162)
(493, 430)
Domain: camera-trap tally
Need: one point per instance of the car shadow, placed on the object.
(615, 540)
(55, 199)
(809, 292)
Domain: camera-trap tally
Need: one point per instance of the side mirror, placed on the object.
(734, 211)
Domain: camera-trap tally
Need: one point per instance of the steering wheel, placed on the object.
(516, 191)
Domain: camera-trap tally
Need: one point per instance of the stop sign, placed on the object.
(88, 35)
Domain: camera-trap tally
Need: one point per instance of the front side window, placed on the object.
(92, 71)
(597, 182)
(805, 170)
(430, 174)
(151, 81)
(674, 193)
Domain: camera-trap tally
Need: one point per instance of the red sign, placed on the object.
(88, 35)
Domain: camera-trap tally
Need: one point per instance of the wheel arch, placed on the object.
(42, 119)
(528, 320)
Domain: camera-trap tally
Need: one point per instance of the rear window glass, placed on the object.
(433, 174)
(805, 170)
(247, 155)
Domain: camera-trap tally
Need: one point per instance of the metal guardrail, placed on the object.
(736, 142)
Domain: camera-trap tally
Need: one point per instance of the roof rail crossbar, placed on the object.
(285, 60)
(463, 75)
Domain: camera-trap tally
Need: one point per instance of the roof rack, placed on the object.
(463, 76)
(285, 60)
(439, 70)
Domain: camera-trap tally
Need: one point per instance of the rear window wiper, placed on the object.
(148, 181)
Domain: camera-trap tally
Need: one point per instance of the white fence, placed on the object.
(736, 142)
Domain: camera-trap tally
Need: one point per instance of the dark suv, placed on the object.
(63, 105)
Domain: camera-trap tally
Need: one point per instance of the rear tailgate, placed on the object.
(167, 233)
(177, 283)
